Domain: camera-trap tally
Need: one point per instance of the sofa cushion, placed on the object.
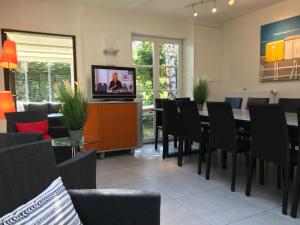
(52, 206)
(35, 127)
(38, 107)
(54, 107)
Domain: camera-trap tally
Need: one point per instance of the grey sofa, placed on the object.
(48, 106)
(27, 170)
(77, 173)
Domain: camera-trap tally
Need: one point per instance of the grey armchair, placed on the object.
(27, 170)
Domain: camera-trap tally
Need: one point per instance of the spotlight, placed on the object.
(214, 9)
(231, 2)
(195, 14)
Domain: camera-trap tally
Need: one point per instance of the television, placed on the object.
(111, 82)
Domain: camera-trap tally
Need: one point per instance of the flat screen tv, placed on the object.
(110, 82)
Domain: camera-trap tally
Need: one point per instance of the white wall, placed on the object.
(208, 42)
(240, 53)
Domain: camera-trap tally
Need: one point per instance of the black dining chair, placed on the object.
(297, 178)
(289, 105)
(236, 102)
(270, 142)
(190, 129)
(183, 99)
(158, 120)
(223, 136)
(170, 121)
(257, 101)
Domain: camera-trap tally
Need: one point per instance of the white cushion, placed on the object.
(53, 206)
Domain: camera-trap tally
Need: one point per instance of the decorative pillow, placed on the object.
(35, 127)
(52, 206)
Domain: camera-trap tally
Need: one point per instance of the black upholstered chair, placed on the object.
(235, 102)
(77, 173)
(223, 136)
(183, 99)
(170, 123)
(257, 101)
(158, 119)
(190, 129)
(270, 142)
(61, 153)
(297, 179)
(27, 170)
(289, 105)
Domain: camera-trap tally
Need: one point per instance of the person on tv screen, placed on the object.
(102, 88)
(115, 84)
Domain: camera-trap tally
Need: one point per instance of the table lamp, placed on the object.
(7, 104)
(8, 60)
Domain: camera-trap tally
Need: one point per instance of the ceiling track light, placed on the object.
(195, 14)
(214, 9)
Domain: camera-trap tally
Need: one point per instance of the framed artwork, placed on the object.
(280, 50)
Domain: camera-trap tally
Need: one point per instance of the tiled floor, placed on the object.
(189, 199)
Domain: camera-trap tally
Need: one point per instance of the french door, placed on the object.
(158, 65)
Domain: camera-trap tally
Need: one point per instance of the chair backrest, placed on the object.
(13, 139)
(257, 101)
(190, 123)
(183, 99)
(26, 170)
(236, 103)
(23, 117)
(290, 105)
(170, 117)
(270, 140)
(223, 131)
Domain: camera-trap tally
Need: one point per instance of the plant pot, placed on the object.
(200, 107)
(76, 136)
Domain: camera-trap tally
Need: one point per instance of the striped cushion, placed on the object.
(53, 206)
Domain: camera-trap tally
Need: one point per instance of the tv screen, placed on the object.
(113, 82)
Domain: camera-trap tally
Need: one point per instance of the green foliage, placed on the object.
(201, 91)
(74, 108)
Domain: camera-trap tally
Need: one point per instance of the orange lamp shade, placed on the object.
(8, 59)
(7, 103)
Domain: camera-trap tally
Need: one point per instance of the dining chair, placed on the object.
(170, 121)
(183, 99)
(296, 193)
(257, 101)
(158, 120)
(236, 102)
(289, 105)
(190, 129)
(223, 136)
(270, 142)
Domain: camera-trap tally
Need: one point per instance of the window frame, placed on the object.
(7, 81)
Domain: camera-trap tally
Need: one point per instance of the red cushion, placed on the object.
(35, 127)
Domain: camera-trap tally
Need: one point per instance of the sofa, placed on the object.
(27, 170)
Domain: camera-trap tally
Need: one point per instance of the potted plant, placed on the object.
(201, 92)
(74, 109)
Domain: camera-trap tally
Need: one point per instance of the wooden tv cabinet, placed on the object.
(113, 124)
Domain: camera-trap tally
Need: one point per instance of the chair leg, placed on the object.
(180, 150)
(233, 176)
(156, 137)
(296, 193)
(201, 155)
(165, 145)
(250, 175)
(175, 141)
(278, 176)
(261, 172)
(224, 159)
(208, 163)
(247, 159)
(285, 190)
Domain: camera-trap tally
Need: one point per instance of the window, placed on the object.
(158, 67)
(44, 61)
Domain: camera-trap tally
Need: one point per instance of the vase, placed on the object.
(200, 107)
(76, 136)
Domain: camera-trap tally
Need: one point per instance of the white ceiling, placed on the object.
(177, 7)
